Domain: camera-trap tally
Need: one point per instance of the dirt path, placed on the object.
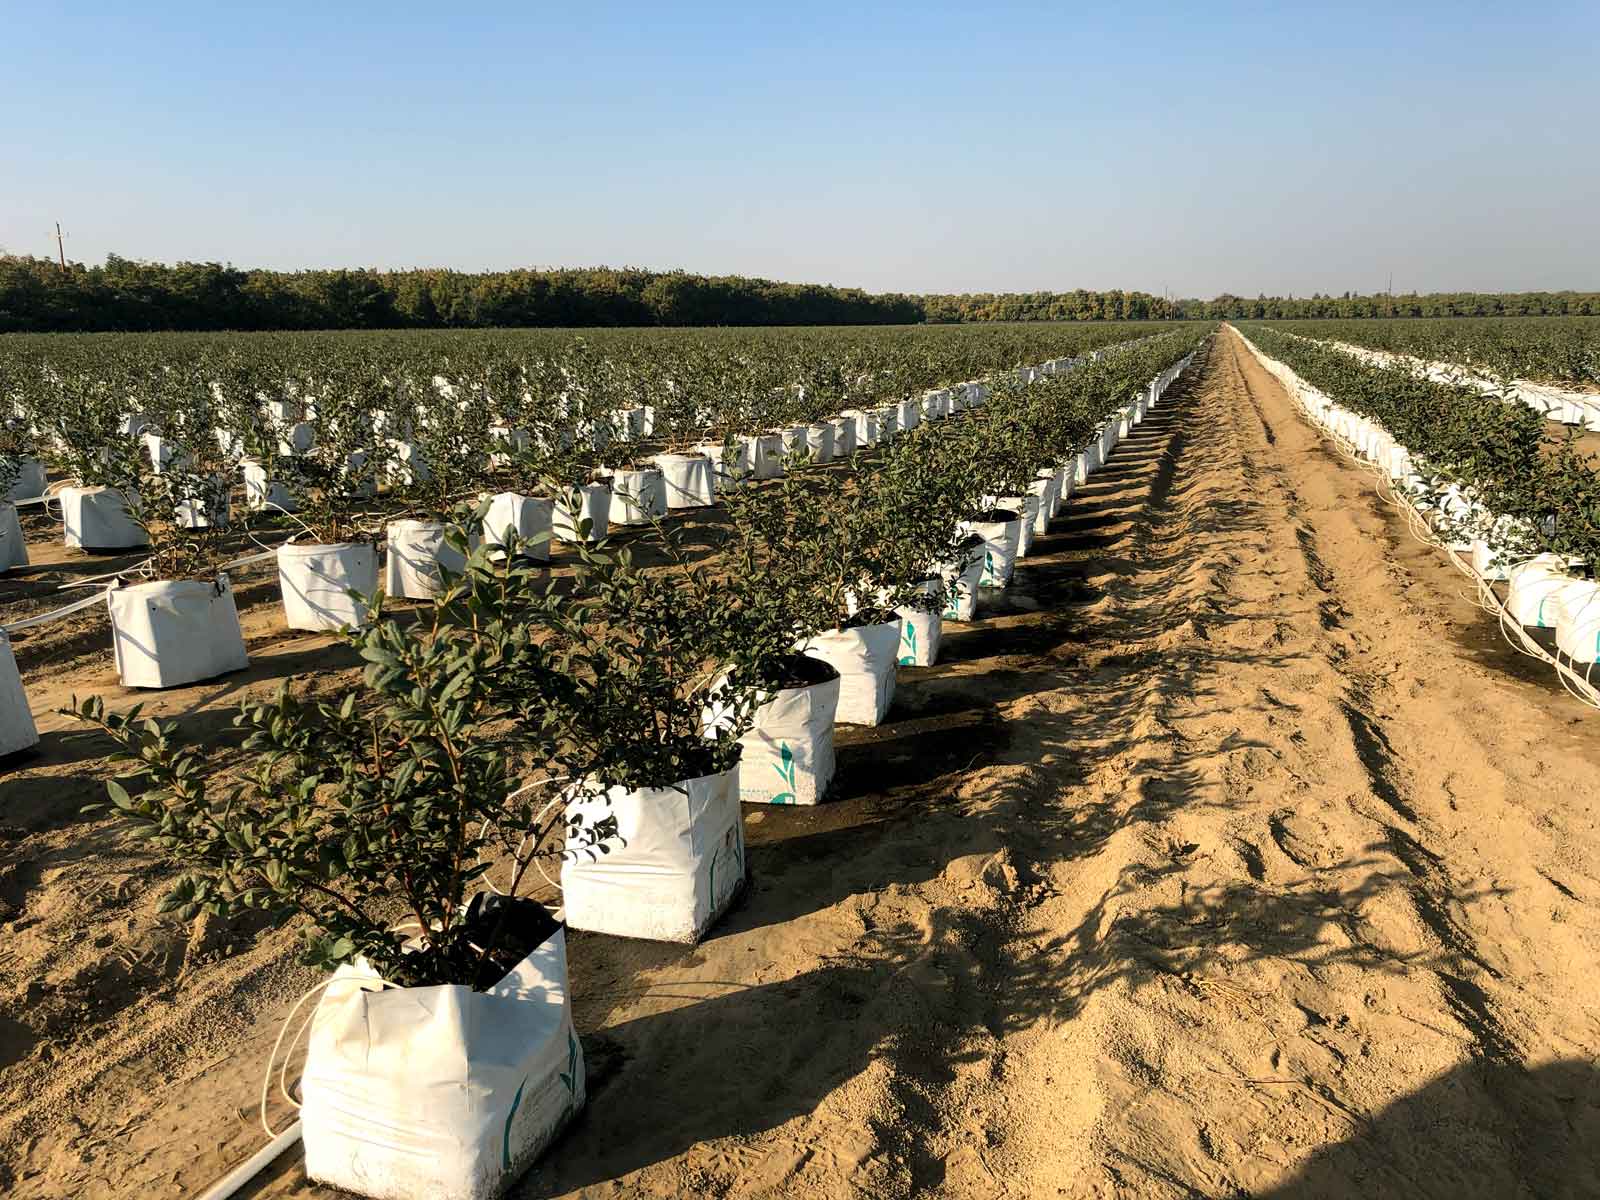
(1226, 856)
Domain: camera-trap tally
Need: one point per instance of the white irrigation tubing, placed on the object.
(235, 1179)
(67, 610)
(266, 1078)
(55, 614)
(1580, 687)
(517, 856)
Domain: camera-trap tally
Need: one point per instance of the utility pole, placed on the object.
(61, 251)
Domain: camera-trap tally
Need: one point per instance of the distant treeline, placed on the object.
(1434, 304)
(36, 295)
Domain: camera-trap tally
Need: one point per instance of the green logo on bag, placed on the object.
(785, 769)
(570, 1075)
(505, 1149)
(908, 635)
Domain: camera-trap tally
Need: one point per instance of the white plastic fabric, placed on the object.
(405, 465)
(1578, 620)
(13, 547)
(263, 493)
(921, 633)
(819, 441)
(316, 581)
(865, 658)
(794, 441)
(297, 439)
(688, 478)
(163, 453)
(30, 481)
(1048, 489)
(440, 1093)
(17, 730)
(175, 631)
(866, 423)
(1108, 440)
(525, 516)
(1532, 586)
(961, 600)
(594, 506)
(96, 518)
(1000, 541)
(730, 462)
(766, 456)
(1067, 482)
(788, 755)
(1086, 464)
(417, 550)
(515, 442)
(1027, 508)
(638, 496)
(844, 437)
(675, 868)
(210, 508)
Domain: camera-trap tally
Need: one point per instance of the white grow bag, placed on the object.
(97, 518)
(1531, 587)
(819, 441)
(793, 439)
(865, 658)
(17, 730)
(527, 517)
(844, 437)
(766, 456)
(1086, 464)
(787, 755)
(262, 492)
(1048, 490)
(1067, 483)
(440, 1092)
(175, 631)
(961, 602)
(730, 462)
(866, 427)
(316, 581)
(1578, 621)
(13, 547)
(417, 551)
(211, 508)
(675, 868)
(1000, 540)
(30, 481)
(594, 506)
(638, 496)
(921, 633)
(688, 478)
(1028, 507)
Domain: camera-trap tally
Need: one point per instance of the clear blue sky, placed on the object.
(1187, 147)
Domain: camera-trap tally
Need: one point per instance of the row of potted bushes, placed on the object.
(442, 1057)
(1544, 591)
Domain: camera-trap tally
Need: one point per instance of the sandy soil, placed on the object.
(1229, 854)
